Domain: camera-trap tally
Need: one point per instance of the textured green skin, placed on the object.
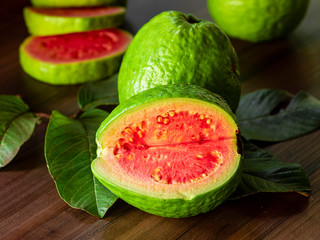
(258, 20)
(175, 208)
(170, 207)
(76, 3)
(69, 73)
(170, 50)
(39, 24)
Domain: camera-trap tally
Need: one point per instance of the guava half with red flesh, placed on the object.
(75, 57)
(172, 151)
(77, 3)
(51, 21)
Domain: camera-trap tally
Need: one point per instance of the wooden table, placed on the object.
(30, 207)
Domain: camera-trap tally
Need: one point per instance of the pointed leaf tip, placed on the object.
(69, 150)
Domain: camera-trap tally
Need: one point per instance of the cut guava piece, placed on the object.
(178, 48)
(51, 21)
(77, 3)
(172, 151)
(75, 57)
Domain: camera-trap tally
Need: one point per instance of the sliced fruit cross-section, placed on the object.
(173, 155)
(153, 149)
(51, 21)
(77, 3)
(75, 57)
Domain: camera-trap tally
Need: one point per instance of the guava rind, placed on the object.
(179, 207)
(69, 73)
(175, 208)
(41, 24)
(76, 3)
(170, 50)
(256, 20)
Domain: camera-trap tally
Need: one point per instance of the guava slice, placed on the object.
(75, 57)
(258, 20)
(178, 48)
(172, 151)
(76, 3)
(51, 21)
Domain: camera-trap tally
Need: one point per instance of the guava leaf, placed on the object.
(263, 172)
(274, 115)
(16, 126)
(95, 94)
(69, 150)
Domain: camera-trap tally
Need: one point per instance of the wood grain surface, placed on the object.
(30, 207)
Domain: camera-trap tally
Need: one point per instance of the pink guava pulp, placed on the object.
(80, 46)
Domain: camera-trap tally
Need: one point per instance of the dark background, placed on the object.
(30, 207)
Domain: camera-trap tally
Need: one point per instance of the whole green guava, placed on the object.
(258, 20)
(178, 48)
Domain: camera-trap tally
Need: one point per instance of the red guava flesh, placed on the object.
(78, 12)
(176, 147)
(80, 46)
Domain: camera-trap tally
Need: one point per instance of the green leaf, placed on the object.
(263, 172)
(95, 94)
(69, 149)
(273, 115)
(16, 126)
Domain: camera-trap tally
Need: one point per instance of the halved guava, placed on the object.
(75, 57)
(76, 3)
(172, 151)
(50, 21)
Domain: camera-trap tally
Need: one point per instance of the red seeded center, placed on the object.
(77, 46)
(172, 148)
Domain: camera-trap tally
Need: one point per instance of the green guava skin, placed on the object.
(76, 3)
(43, 25)
(258, 20)
(174, 208)
(180, 207)
(178, 48)
(69, 73)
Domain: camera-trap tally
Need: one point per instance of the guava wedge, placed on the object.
(51, 21)
(76, 3)
(75, 57)
(258, 20)
(178, 48)
(172, 151)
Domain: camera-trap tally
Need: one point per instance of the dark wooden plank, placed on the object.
(30, 207)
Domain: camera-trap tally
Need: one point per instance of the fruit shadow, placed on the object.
(256, 211)
(287, 203)
(273, 64)
(230, 217)
(271, 205)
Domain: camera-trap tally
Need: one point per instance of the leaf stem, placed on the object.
(43, 115)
